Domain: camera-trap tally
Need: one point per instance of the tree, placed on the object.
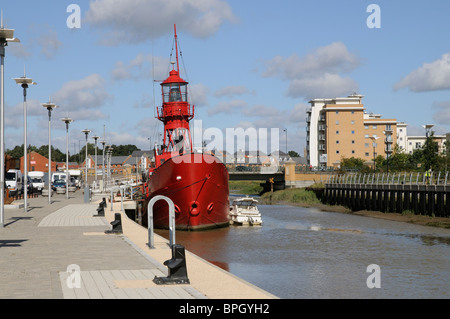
(293, 154)
(124, 150)
(430, 153)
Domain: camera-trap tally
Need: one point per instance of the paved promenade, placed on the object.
(61, 251)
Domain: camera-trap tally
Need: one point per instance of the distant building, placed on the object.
(340, 127)
(417, 142)
(37, 162)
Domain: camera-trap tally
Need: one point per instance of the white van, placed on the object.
(37, 179)
(59, 175)
(13, 179)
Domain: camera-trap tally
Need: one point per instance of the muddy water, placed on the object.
(306, 253)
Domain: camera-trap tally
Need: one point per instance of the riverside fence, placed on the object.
(397, 192)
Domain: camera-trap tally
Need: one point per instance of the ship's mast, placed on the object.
(175, 113)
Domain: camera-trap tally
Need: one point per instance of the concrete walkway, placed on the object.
(60, 250)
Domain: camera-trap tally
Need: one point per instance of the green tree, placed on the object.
(430, 153)
(124, 150)
(293, 154)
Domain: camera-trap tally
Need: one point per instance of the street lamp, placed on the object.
(24, 82)
(49, 106)
(95, 137)
(86, 186)
(103, 142)
(86, 132)
(285, 130)
(427, 128)
(6, 35)
(374, 138)
(388, 143)
(67, 120)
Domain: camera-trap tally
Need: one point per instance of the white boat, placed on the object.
(244, 211)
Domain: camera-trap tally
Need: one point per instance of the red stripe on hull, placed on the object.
(198, 186)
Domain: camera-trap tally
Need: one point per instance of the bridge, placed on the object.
(259, 173)
(420, 194)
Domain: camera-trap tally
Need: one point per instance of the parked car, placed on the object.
(59, 183)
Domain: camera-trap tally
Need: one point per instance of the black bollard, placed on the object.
(116, 225)
(177, 268)
(100, 211)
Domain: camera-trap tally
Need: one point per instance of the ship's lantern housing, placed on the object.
(174, 89)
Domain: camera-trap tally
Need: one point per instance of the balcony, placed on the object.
(322, 127)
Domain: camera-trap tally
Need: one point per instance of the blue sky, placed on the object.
(249, 63)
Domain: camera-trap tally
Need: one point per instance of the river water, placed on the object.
(306, 253)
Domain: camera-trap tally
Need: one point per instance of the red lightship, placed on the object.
(197, 183)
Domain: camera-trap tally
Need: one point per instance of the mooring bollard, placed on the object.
(177, 268)
(116, 225)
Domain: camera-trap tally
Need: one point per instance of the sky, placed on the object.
(250, 64)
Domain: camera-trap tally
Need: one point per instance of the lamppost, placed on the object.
(67, 120)
(388, 143)
(95, 137)
(86, 186)
(427, 128)
(24, 82)
(49, 106)
(374, 138)
(103, 142)
(6, 35)
(285, 130)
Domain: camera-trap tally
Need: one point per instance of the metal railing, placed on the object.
(405, 178)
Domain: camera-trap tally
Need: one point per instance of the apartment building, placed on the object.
(417, 142)
(339, 127)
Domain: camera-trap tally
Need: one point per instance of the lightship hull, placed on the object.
(198, 186)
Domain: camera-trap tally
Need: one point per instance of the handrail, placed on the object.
(416, 178)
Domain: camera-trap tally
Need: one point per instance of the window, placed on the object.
(337, 112)
(353, 152)
(366, 144)
(337, 152)
(353, 142)
(366, 127)
(366, 154)
(337, 142)
(337, 122)
(337, 132)
(353, 122)
(366, 136)
(353, 132)
(353, 112)
(374, 127)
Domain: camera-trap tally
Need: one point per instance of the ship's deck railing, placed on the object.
(405, 178)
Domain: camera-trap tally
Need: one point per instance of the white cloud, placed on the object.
(318, 73)
(198, 94)
(325, 85)
(83, 98)
(227, 107)
(143, 66)
(429, 77)
(140, 20)
(232, 91)
(441, 112)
